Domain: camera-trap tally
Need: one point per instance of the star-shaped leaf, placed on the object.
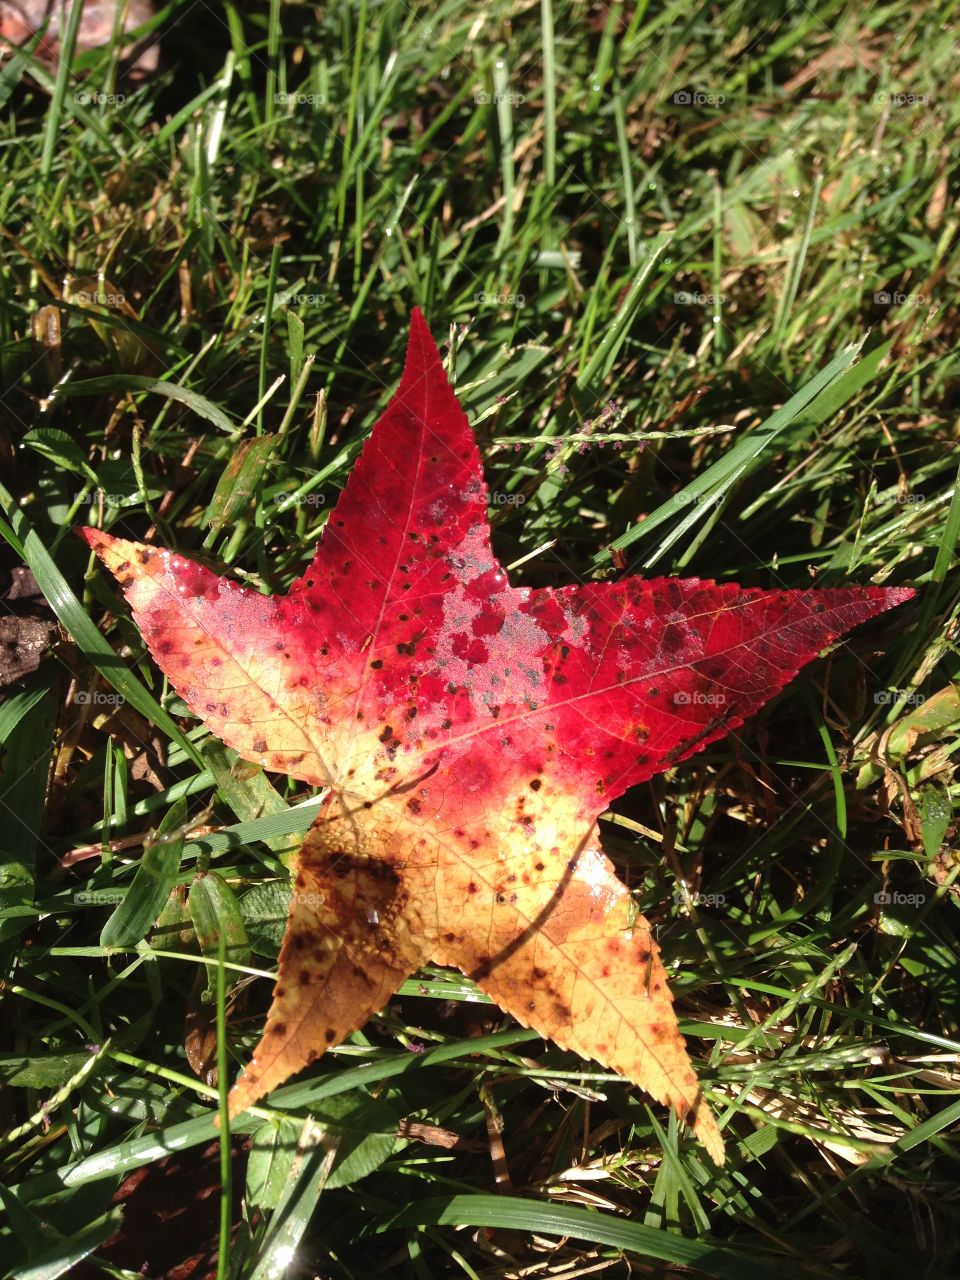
(470, 733)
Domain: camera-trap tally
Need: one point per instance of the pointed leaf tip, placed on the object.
(418, 323)
(899, 595)
(92, 537)
(423, 359)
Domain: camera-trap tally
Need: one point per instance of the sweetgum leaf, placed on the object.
(470, 733)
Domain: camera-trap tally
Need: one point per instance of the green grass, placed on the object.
(229, 254)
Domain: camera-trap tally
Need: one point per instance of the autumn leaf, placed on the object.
(470, 733)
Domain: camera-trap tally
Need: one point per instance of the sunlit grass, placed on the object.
(699, 271)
